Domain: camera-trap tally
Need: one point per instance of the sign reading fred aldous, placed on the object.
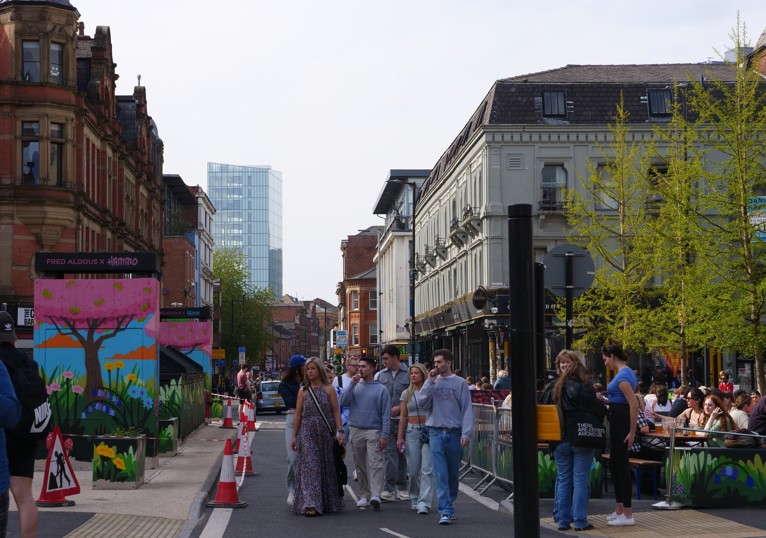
(97, 262)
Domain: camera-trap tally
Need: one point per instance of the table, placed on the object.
(680, 438)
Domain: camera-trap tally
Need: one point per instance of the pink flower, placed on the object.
(77, 389)
(67, 374)
(54, 387)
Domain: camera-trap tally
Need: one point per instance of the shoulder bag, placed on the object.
(424, 437)
(338, 450)
(585, 426)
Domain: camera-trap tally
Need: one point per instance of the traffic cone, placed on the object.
(228, 416)
(226, 496)
(251, 418)
(240, 427)
(244, 461)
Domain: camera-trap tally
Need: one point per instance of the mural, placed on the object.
(193, 339)
(95, 342)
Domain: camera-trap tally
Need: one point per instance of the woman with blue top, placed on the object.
(623, 414)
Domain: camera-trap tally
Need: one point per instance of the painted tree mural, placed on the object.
(104, 309)
(186, 336)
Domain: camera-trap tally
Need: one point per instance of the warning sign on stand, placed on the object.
(59, 474)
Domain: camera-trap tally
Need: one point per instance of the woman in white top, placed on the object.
(413, 436)
(740, 409)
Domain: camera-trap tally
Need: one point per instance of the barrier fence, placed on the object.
(490, 452)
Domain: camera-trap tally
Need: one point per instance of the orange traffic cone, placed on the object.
(228, 415)
(227, 496)
(244, 461)
(240, 427)
(251, 418)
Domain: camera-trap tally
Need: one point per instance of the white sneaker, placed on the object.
(402, 495)
(290, 499)
(613, 516)
(355, 477)
(362, 503)
(375, 502)
(387, 497)
(622, 521)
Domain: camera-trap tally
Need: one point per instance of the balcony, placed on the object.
(420, 264)
(458, 235)
(441, 248)
(551, 206)
(430, 256)
(471, 222)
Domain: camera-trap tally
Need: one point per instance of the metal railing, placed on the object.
(490, 452)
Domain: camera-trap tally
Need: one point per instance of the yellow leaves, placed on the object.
(74, 310)
(71, 283)
(118, 286)
(99, 302)
(145, 307)
(47, 294)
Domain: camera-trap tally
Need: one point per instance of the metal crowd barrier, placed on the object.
(490, 453)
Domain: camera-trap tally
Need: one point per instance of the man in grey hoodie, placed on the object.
(450, 421)
(369, 419)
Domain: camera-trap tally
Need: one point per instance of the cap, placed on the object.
(7, 334)
(297, 360)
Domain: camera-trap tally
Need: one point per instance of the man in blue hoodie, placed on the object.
(369, 419)
(10, 411)
(450, 421)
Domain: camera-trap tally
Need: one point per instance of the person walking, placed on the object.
(413, 437)
(574, 456)
(17, 460)
(243, 387)
(288, 389)
(623, 414)
(396, 380)
(316, 484)
(369, 418)
(447, 401)
(341, 382)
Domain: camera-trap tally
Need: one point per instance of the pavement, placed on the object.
(171, 502)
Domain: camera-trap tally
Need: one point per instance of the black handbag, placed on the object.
(424, 436)
(338, 450)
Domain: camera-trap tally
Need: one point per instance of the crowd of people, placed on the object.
(406, 427)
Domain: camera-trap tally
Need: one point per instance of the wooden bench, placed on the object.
(638, 464)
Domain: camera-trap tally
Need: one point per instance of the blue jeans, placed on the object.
(572, 484)
(421, 485)
(291, 455)
(445, 455)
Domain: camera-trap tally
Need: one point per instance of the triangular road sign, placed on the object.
(59, 479)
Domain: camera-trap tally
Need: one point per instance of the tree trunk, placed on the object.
(93, 379)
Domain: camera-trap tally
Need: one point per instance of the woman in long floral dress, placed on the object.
(316, 485)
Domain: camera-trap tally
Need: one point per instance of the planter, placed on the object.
(168, 436)
(118, 462)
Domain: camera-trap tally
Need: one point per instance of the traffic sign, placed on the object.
(341, 338)
(583, 270)
(219, 353)
(241, 355)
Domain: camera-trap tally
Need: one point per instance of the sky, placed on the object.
(336, 93)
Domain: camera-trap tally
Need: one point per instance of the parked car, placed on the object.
(268, 399)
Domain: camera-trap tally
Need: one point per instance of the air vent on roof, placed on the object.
(515, 161)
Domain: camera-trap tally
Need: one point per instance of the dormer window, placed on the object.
(660, 102)
(554, 104)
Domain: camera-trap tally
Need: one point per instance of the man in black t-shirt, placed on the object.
(757, 422)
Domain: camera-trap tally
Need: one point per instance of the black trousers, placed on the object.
(619, 426)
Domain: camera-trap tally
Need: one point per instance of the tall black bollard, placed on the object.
(539, 305)
(526, 507)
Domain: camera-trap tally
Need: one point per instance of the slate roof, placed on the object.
(591, 92)
(56, 3)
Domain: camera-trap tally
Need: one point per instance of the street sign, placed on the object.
(757, 210)
(583, 270)
(219, 353)
(241, 355)
(341, 338)
(220, 363)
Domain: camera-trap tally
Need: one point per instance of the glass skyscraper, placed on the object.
(248, 202)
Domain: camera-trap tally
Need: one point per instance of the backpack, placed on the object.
(35, 419)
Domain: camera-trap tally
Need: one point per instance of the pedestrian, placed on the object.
(396, 380)
(369, 418)
(243, 387)
(413, 437)
(503, 382)
(288, 388)
(17, 454)
(447, 400)
(579, 405)
(316, 484)
(342, 382)
(724, 384)
(623, 415)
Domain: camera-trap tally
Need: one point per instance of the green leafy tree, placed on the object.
(245, 309)
(732, 123)
(608, 218)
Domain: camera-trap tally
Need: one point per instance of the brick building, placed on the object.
(80, 167)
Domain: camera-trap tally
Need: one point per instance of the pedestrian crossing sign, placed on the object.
(59, 475)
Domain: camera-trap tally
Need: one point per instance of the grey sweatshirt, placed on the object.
(369, 406)
(448, 402)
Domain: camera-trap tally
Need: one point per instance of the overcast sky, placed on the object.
(334, 93)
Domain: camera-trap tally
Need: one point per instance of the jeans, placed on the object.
(396, 462)
(445, 455)
(572, 484)
(291, 454)
(421, 486)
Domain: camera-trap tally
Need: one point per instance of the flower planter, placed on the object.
(168, 436)
(118, 462)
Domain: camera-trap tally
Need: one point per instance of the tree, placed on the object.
(732, 122)
(246, 310)
(608, 219)
(105, 309)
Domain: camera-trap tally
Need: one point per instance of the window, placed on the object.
(553, 180)
(373, 334)
(657, 175)
(354, 300)
(660, 102)
(373, 299)
(604, 202)
(355, 335)
(56, 170)
(554, 104)
(30, 61)
(57, 63)
(30, 152)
